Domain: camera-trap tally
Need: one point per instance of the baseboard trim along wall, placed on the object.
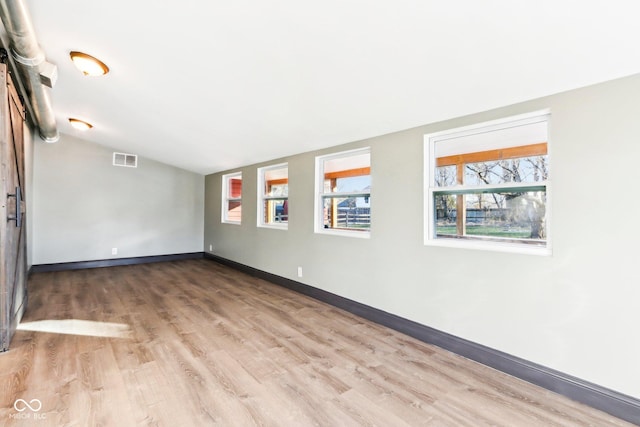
(610, 401)
(79, 265)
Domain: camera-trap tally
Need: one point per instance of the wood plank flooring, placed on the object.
(194, 343)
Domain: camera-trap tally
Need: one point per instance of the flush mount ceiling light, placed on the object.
(80, 124)
(89, 65)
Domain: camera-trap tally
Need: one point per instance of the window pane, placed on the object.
(353, 213)
(350, 173)
(352, 184)
(234, 211)
(276, 211)
(277, 190)
(494, 215)
(445, 176)
(446, 211)
(524, 169)
(235, 188)
(276, 182)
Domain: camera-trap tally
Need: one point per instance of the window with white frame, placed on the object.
(232, 198)
(488, 185)
(273, 196)
(343, 187)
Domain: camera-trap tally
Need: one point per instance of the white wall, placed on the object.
(83, 206)
(576, 311)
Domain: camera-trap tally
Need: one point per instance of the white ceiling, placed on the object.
(213, 85)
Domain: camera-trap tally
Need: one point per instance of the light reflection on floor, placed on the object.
(78, 327)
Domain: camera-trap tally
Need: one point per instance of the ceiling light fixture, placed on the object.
(80, 124)
(89, 65)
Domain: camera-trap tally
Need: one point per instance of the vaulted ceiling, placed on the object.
(212, 85)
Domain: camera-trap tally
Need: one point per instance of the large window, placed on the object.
(488, 186)
(232, 198)
(273, 196)
(343, 185)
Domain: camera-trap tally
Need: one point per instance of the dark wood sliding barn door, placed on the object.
(13, 239)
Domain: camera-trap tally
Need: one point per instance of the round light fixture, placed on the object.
(80, 124)
(89, 65)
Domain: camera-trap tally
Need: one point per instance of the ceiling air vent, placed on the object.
(126, 160)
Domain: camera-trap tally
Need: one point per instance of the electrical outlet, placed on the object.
(210, 248)
(114, 251)
(299, 271)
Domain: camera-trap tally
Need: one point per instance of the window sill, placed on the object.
(345, 233)
(274, 226)
(490, 246)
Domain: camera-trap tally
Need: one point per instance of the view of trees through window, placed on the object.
(493, 197)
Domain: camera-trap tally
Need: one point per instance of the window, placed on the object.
(488, 186)
(343, 185)
(273, 196)
(126, 160)
(232, 198)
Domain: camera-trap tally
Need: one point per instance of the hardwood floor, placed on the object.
(194, 343)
